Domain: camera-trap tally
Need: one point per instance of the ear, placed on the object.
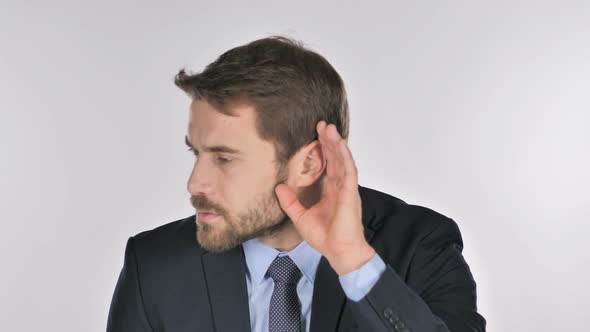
(308, 165)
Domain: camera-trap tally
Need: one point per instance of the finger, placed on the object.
(335, 139)
(322, 135)
(289, 202)
(327, 150)
(350, 169)
(328, 136)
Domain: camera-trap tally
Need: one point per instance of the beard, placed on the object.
(265, 218)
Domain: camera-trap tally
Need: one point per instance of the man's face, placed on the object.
(237, 186)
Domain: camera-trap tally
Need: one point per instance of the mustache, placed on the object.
(203, 203)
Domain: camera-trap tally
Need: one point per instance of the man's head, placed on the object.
(263, 100)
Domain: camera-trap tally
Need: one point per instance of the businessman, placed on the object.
(284, 238)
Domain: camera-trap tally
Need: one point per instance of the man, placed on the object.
(284, 238)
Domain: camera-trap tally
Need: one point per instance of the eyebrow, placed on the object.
(215, 148)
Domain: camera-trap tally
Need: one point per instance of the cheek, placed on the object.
(244, 185)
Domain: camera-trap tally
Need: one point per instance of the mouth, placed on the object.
(206, 216)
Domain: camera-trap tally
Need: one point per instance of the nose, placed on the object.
(197, 182)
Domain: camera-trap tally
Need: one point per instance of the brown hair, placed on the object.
(291, 87)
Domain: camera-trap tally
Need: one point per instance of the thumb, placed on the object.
(289, 202)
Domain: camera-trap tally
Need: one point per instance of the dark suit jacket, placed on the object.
(169, 283)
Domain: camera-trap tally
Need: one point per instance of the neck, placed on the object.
(284, 240)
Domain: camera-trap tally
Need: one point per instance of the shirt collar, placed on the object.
(259, 256)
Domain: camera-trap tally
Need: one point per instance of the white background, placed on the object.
(479, 110)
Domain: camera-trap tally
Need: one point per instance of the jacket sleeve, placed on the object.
(127, 313)
(439, 296)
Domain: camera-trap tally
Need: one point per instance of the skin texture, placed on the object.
(253, 200)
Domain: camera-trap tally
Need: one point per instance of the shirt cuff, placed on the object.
(357, 284)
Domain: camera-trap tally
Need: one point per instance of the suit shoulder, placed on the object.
(385, 210)
(165, 229)
(173, 235)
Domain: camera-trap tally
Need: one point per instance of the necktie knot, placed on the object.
(284, 270)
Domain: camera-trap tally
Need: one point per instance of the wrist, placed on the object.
(352, 260)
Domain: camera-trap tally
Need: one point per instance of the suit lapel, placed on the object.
(328, 298)
(228, 293)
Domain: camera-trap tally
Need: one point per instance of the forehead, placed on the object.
(209, 127)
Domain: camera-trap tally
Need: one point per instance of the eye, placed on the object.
(223, 160)
(220, 159)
